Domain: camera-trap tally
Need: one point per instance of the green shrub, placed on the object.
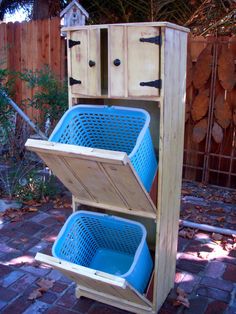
(50, 96)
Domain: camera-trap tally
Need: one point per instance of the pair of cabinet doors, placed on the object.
(115, 61)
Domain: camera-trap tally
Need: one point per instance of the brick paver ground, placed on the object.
(204, 270)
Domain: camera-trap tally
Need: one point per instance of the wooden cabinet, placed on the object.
(143, 62)
(116, 61)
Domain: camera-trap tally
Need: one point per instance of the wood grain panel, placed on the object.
(143, 60)
(79, 61)
(94, 72)
(117, 50)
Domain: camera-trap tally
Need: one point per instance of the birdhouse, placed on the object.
(74, 15)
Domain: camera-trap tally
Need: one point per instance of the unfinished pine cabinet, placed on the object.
(138, 65)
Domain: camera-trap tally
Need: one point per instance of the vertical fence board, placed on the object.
(31, 46)
(55, 46)
(3, 45)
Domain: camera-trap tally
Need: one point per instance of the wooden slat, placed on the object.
(68, 177)
(95, 181)
(130, 187)
(115, 287)
(55, 46)
(17, 57)
(117, 50)
(44, 47)
(3, 46)
(94, 73)
(97, 177)
(67, 150)
(23, 58)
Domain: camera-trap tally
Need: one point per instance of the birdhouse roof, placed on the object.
(74, 2)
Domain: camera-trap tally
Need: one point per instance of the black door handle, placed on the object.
(92, 63)
(116, 62)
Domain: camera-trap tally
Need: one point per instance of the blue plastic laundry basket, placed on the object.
(112, 128)
(107, 243)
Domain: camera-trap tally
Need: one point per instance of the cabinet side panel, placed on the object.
(172, 112)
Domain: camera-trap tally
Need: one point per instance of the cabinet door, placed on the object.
(143, 61)
(96, 177)
(85, 62)
(92, 283)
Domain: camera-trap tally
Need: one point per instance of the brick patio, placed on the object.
(205, 271)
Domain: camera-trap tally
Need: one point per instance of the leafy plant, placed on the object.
(36, 186)
(27, 180)
(7, 116)
(20, 172)
(50, 95)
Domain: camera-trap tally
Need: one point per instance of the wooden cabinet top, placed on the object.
(157, 24)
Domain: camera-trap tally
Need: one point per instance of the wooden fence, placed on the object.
(32, 45)
(210, 132)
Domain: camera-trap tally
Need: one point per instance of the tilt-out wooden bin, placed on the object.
(138, 65)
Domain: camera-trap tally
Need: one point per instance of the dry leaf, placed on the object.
(35, 294)
(217, 133)
(220, 219)
(187, 233)
(45, 284)
(203, 68)
(218, 210)
(190, 234)
(217, 236)
(182, 233)
(226, 72)
(181, 292)
(32, 209)
(225, 245)
(186, 192)
(32, 203)
(200, 106)
(181, 298)
(66, 205)
(200, 130)
(234, 237)
(203, 254)
(223, 111)
(60, 218)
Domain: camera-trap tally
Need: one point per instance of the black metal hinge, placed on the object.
(156, 84)
(72, 81)
(72, 43)
(153, 40)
